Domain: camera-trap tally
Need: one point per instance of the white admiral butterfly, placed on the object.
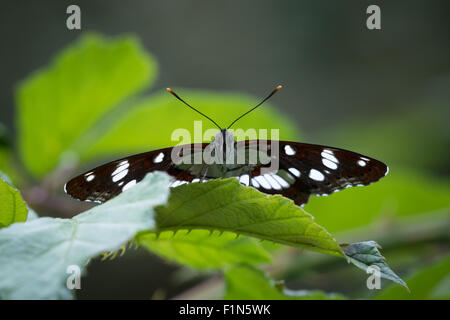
(303, 169)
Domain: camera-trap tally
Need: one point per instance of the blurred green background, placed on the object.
(384, 93)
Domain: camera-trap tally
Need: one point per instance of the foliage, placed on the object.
(143, 122)
(431, 282)
(402, 138)
(34, 256)
(238, 277)
(88, 104)
(226, 205)
(367, 254)
(204, 249)
(68, 98)
(78, 102)
(402, 193)
(12, 207)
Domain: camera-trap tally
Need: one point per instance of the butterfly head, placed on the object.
(226, 137)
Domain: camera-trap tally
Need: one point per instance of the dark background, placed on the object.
(334, 70)
(332, 67)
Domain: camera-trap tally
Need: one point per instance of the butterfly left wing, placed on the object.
(107, 181)
(306, 169)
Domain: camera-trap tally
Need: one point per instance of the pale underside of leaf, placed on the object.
(366, 254)
(35, 255)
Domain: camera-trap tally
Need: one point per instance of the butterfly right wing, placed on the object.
(308, 169)
(108, 180)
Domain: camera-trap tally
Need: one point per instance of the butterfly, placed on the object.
(302, 169)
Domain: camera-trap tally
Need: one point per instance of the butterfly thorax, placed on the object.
(220, 159)
(224, 147)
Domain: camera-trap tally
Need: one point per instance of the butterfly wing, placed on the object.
(306, 169)
(106, 181)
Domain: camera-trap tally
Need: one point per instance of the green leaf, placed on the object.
(12, 207)
(247, 283)
(226, 205)
(59, 104)
(7, 162)
(430, 282)
(205, 250)
(34, 256)
(150, 123)
(366, 254)
(401, 193)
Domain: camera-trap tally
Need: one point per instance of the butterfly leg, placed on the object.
(250, 183)
(205, 168)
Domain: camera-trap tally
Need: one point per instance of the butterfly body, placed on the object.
(222, 158)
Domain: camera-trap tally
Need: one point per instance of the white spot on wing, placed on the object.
(316, 175)
(329, 164)
(177, 183)
(289, 150)
(329, 155)
(361, 163)
(159, 158)
(119, 175)
(124, 164)
(294, 171)
(281, 181)
(255, 183)
(120, 167)
(263, 182)
(130, 184)
(244, 179)
(273, 183)
(90, 177)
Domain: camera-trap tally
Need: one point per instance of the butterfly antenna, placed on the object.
(176, 96)
(265, 99)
